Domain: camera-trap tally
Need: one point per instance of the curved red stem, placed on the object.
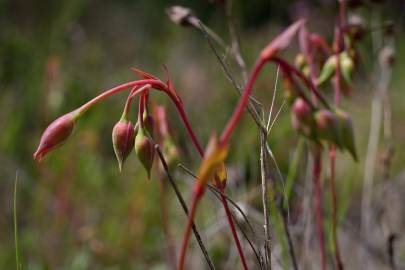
(230, 126)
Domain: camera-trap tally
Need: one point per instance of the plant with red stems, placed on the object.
(312, 116)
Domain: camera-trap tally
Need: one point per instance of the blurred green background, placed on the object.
(75, 210)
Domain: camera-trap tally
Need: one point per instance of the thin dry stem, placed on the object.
(184, 206)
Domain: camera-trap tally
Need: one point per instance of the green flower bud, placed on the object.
(328, 70)
(346, 132)
(171, 152)
(145, 150)
(327, 127)
(346, 66)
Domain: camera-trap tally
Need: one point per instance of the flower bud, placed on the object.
(145, 150)
(56, 134)
(301, 114)
(123, 137)
(328, 70)
(346, 66)
(327, 127)
(148, 123)
(171, 152)
(346, 132)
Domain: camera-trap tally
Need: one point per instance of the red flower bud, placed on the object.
(56, 134)
(123, 137)
(145, 150)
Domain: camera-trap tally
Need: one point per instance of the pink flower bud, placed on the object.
(123, 137)
(301, 116)
(301, 109)
(56, 134)
(145, 150)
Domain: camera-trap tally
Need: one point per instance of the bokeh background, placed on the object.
(75, 210)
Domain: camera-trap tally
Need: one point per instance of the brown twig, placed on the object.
(184, 206)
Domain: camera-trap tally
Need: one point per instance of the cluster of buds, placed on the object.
(125, 135)
(346, 63)
(324, 125)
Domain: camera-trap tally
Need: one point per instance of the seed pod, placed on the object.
(56, 134)
(123, 137)
(301, 116)
(346, 132)
(327, 127)
(145, 150)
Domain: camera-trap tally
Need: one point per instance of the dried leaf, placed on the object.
(213, 161)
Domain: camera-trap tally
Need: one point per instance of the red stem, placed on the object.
(332, 159)
(305, 80)
(187, 233)
(231, 224)
(318, 204)
(155, 83)
(190, 131)
(141, 110)
(227, 132)
(332, 150)
(197, 186)
(128, 103)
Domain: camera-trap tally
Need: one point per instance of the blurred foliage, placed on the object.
(75, 210)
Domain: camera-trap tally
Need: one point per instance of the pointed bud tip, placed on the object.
(145, 150)
(123, 137)
(56, 134)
